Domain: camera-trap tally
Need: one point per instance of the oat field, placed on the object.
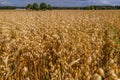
(60, 45)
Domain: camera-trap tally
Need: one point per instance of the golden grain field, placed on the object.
(60, 45)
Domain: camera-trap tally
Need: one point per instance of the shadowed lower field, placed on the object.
(60, 45)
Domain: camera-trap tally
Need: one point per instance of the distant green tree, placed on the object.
(43, 6)
(35, 6)
(49, 7)
(29, 6)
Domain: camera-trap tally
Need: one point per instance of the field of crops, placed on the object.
(60, 45)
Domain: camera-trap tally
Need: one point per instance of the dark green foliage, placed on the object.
(29, 6)
(49, 7)
(92, 7)
(7, 7)
(35, 6)
(43, 6)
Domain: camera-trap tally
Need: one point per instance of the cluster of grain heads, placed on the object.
(101, 72)
(112, 76)
(59, 45)
(96, 77)
(25, 71)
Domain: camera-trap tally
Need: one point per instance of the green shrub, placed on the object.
(43, 6)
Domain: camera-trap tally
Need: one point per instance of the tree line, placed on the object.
(92, 7)
(96, 7)
(7, 7)
(44, 6)
(35, 6)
